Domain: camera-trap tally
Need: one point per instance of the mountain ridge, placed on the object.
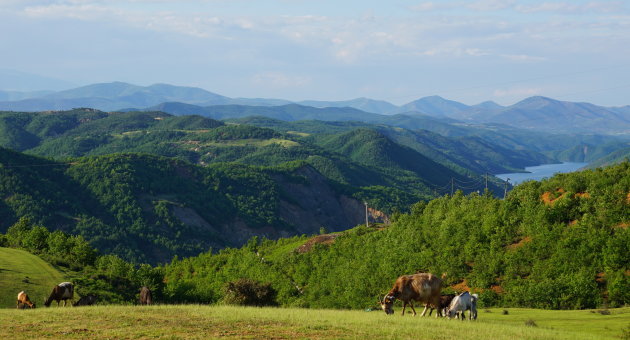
(533, 113)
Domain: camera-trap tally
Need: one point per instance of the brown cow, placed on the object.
(421, 287)
(63, 291)
(145, 296)
(23, 300)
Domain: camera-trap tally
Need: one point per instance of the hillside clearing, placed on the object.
(21, 270)
(202, 322)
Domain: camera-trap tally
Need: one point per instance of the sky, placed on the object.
(394, 50)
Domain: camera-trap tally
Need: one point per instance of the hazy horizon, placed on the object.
(469, 52)
(74, 86)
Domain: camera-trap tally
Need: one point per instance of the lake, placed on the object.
(541, 171)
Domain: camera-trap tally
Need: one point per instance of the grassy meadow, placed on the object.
(203, 322)
(21, 270)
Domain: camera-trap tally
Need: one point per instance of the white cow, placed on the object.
(461, 303)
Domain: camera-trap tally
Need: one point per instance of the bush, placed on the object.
(247, 292)
(488, 298)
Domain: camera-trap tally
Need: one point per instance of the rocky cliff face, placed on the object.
(305, 206)
(315, 204)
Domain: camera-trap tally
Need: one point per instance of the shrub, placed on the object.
(248, 292)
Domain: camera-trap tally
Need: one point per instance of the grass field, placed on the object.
(203, 322)
(20, 270)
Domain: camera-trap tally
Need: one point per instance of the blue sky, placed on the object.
(398, 50)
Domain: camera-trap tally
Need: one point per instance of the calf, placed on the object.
(87, 300)
(461, 303)
(146, 297)
(63, 291)
(23, 300)
(421, 287)
(445, 301)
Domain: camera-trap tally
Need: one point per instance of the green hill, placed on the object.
(23, 271)
(562, 243)
(614, 157)
(150, 208)
(375, 149)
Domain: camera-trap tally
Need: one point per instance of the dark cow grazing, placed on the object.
(461, 303)
(146, 297)
(445, 301)
(63, 291)
(421, 287)
(87, 300)
(23, 301)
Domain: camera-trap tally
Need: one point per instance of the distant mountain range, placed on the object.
(534, 113)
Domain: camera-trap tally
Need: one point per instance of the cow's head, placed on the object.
(387, 304)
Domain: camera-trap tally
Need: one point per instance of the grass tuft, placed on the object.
(530, 323)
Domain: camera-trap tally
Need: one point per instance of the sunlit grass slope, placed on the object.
(21, 270)
(203, 322)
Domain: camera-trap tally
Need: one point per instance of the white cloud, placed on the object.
(74, 11)
(573, 8)
(491, 5)
(523, 57)
(549, 7)
(432, 6)
(476, 52)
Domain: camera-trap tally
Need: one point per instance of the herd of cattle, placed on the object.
(420, 287)
(65, 291)
(426, 288)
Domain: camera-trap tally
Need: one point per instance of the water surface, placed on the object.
(541, 171)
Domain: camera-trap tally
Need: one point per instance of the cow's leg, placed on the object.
(413, 309)
(425, 310)
(404, 306)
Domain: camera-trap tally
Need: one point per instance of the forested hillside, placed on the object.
(425, 162)
(191, 183)
(561, 243)
(490, 148)
(460, 147)
(150, 208)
